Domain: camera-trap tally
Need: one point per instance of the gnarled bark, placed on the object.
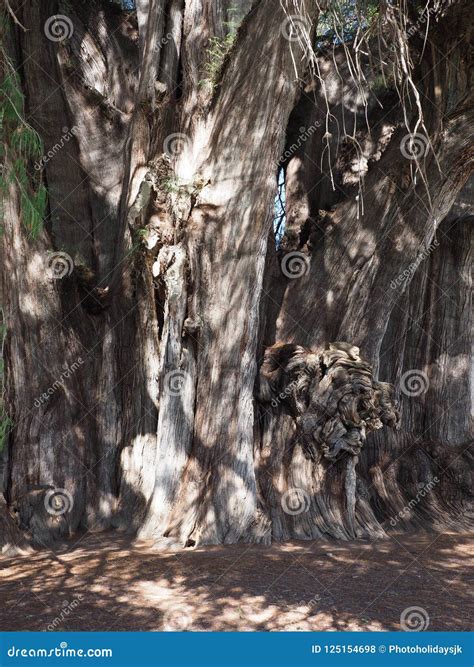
(147, 350)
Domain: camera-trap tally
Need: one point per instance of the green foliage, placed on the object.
(170, 184)
(26, 142)
(340, 22)
(218, 49)
(138, 238)
(381, 84)
(20, 147)
(5, 426)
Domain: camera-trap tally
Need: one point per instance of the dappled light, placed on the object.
(297, 586)
(235, 341)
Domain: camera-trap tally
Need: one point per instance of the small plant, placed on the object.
(20, 146)
(218, 49)
(138, 239)
(5, 426)
(381, 84)
(170, 184)
(341, 21)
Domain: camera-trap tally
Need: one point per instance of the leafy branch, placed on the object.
(20, 146)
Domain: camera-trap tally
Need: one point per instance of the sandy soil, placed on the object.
(104, 582)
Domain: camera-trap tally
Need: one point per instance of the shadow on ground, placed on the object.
(106, 582)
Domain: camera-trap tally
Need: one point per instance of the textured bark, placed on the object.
(217, 493)
(352, 245)
(149, 349)
(431, 329)
(12, 540)
(71, 439)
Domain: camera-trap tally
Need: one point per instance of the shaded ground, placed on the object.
(103, 582)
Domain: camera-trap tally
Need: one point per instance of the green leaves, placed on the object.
(218, 48)
(5, 426)
(343, 18)
(216, 53)
(12, 98)
(20, 146)
(26, 142)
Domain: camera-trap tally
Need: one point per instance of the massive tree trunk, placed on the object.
(356, 248)
(137, 317)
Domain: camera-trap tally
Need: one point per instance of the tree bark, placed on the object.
(132, 381)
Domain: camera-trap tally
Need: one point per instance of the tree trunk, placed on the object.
(138, 317)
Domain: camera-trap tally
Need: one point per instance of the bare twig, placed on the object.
(13, 15)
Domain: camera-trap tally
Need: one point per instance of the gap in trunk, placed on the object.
(279, 213)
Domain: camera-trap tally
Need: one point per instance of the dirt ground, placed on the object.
(104, 582)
